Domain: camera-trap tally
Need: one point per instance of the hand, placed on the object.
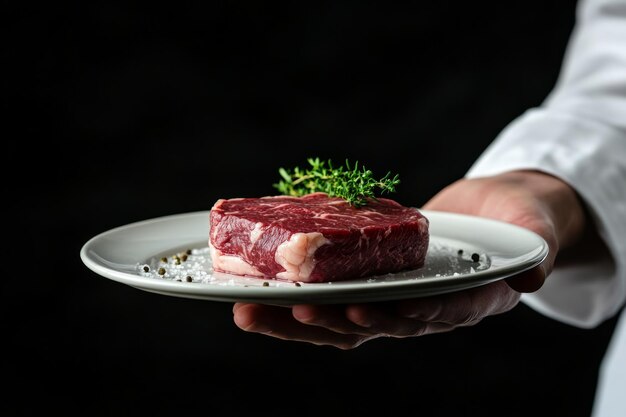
(534, 200)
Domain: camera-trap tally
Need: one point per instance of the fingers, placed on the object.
(348, 326)
(279, 322)
(461, 308)
(368, 320)
(344, 327)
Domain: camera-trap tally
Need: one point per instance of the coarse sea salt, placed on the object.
(191, 265)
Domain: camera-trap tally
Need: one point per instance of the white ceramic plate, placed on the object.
(121, 254)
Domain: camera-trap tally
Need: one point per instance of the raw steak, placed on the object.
(315, 238)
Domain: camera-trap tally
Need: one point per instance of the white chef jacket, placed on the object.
(579, 135)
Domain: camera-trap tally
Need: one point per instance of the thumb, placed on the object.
(528, 281)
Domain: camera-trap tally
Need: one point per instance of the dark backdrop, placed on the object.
(118, 113)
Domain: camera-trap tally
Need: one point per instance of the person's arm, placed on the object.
(579, 135)
(534, 200)
(557, 170)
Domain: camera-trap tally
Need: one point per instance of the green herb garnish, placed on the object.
(352, 183)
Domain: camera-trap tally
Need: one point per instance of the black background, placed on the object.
(117, 114)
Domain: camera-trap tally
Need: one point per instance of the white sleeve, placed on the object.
(579, 135)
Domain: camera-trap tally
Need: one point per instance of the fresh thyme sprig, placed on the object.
(352, 183)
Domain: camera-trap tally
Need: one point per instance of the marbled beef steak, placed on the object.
(315, 238)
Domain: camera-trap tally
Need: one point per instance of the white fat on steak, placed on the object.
(233, 264)
(297, 255)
